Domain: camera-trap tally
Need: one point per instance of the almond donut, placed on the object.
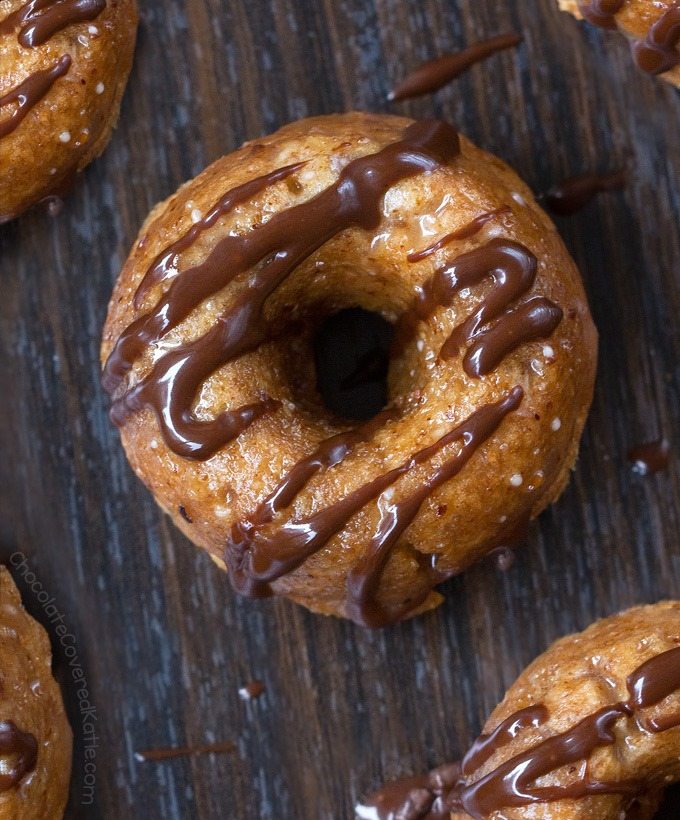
(589, 731)
(652, 26)
(208, 357)
(63, 69)
(35, 736)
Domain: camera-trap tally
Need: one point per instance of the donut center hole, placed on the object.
(351, 361)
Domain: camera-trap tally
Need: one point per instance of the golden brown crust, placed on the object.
(635, 20)
(72, 124)
(30, 698)
(574, 678)
(538, 442)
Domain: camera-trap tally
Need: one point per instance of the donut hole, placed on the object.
(351, 350)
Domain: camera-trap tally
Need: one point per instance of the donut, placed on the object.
(63, 69)
(35, 736)
(589, 731)
(652, 26)
(208, 357)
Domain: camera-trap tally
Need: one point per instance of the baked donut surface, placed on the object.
(652, 26)
(63, 69)
(589, 731)
(208, 356)
(35, 737)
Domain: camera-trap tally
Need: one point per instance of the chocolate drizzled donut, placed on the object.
(154, 369)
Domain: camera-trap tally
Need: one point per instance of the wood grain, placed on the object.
(164, 643)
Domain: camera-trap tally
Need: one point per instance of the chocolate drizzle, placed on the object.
(512, 268)
(256, 558)
(471, 229)
(511, 784)
(600, 12)
(658, 51)
(486, 746)
(23, 747)
(423, 797)
(260, 550)
(576, 192)
(278, 246)
(39, 20)
(174, 752)
(29, 93)
(434, 74)
(166, 264)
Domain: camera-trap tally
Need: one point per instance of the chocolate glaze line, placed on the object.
(600, 12)
(512, 268)
(576, 192)
(434, 74)
(509, 785)
(487, 745)
(21, 745)
(328, 454)
(29, 93)
(166, 264)
(281, 244)
(471, 229)
(258, 558)
(658, 51)
(422, 797)
(174, 752)
(39, 20)
(395, 517)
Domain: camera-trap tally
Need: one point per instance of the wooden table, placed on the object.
(163, 642)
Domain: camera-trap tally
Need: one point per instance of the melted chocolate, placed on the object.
(166, 264)
(600, 12)
(435, 74)
(658, 51)
(281, 244)
(422, 797)
(39, 20)
(397, 516)
(651, 457)
(471, 229)
(487, 745)
(512, 268)
(576, 192)
(23, 747)
(29, 93)
(173, 752)
(256, 558)
(509, 785)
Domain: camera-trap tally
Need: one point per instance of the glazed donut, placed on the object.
(208, 357)
(589, 731)
(35, 736)
(652, 26)
(63, 69)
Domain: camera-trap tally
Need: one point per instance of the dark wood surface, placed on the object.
(164, 643)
